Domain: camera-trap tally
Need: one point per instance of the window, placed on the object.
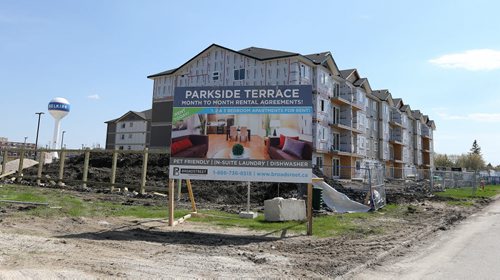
(131, 124)
(130, 136)
(336, 141)
(322, 105)
(239, 74)
(336, 115)
(322, 78)
(304, 71)
(215, 76)
(130, 147)
(319, 162)
(336, 167)
(120, 148)
(336, 90)
(358, 165)
(123, 136)
(123, 125)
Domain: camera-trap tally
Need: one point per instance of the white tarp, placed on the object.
(338, 201)
(13, 165)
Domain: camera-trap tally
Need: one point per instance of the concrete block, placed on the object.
(248, 215)
(280, 209)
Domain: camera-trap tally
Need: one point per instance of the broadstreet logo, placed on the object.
(190, 171)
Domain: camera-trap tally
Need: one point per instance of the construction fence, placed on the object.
(107, 169)
(367, 182)
(110, 169)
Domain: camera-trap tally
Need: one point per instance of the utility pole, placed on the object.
(62, 139)
(37, 130)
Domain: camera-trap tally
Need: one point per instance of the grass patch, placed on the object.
(323, 226)
(75, 206)
(460, 203)
(467, 193)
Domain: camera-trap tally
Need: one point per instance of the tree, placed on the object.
(442, 160)
(475, 148)
(471, 161)
(489, 166)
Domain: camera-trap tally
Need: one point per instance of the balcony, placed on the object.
(426, 132)
(396, 139)
(344, 126)
(395, 123)
(342, 149)
(357, 106)
(339, 100)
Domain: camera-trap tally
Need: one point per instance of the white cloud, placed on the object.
(477, 117)
(473, 60)
(94, 96)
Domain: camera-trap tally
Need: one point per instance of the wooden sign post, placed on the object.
(171, 203)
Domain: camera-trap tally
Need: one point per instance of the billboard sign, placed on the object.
(242, 133)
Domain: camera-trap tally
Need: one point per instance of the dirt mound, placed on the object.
(129, 168)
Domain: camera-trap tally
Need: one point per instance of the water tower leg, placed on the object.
(55, 137)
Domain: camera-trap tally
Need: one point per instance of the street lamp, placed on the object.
(37, 130)
(62, 139)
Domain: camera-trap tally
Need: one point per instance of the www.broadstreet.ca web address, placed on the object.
(280, 174)
(260, 174)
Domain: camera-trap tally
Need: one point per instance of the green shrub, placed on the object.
(238, 149)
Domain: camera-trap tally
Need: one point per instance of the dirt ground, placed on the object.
(69, 248)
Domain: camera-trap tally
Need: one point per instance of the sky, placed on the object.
(441, 57)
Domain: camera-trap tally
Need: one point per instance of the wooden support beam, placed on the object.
(191, 195)
(309, 209)
(113, 170)
(171, 202)
(41, 162)
(86, 167)
(20, 167)
(5, 157)
(179, 186)
(61, 167)
(144, 170)
(182, 220)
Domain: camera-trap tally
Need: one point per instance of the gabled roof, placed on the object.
(360, 82)
(425, 118)
(168, 72)
(406, 108)
(265, 54)
(252, 52)
(416, 114)
(318, 58)
(431, 124)
(145, 115)
(382, 94)
(398, 102)
(346, 73)
(325, 59)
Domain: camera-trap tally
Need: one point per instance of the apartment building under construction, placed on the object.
(354, 126)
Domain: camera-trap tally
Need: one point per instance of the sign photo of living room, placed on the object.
(260, 134)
